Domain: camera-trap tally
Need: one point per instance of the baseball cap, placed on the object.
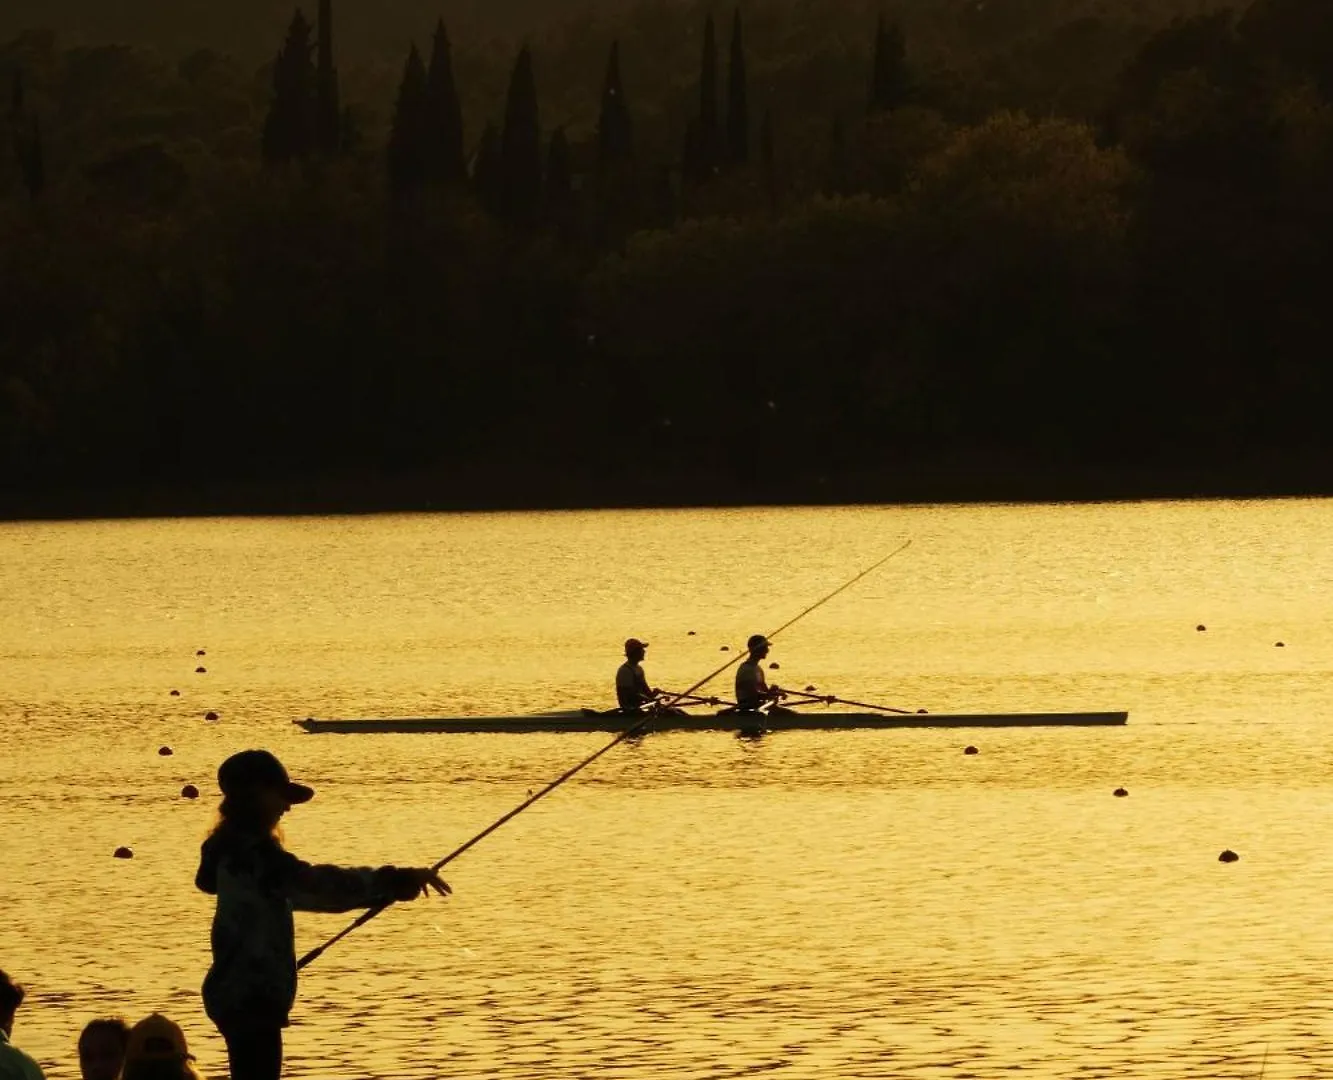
(155, 1038)
(251, 769)
(634, 644)
(757, 641)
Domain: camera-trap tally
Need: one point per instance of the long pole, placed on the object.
(629, 733)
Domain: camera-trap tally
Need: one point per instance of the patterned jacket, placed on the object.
(258, 885)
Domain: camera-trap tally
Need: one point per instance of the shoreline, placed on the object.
(515, 488)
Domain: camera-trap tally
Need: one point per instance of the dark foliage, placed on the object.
(409, 153)
(289, 131)
(520, 148)
(738, 99)
(1053, 235)
(444, 136)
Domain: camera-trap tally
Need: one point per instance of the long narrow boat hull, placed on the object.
(588, 720)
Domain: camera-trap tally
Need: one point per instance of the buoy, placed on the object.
(175, 693)
(200, 652)
(971, 750)
(774, 666)
(1228, 856)
(1120, 793)
(210, 715)
(189, 791)
(923, 712)
(165, 751)
(1201, 628)
(201, 671)
(726, 648)
(123, 853)
(690, 633)
(1279, 644)
(810, 689)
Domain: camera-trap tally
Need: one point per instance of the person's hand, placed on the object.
(658, 692)
(407, 883)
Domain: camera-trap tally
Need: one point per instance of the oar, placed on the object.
(829, 699)
(569, 774)
(694, 699)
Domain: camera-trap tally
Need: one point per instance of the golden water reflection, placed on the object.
(815, 904)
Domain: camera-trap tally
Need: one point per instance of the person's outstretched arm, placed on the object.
(321, 887)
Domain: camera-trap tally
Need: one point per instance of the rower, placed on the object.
(752, 689)
(632, 689)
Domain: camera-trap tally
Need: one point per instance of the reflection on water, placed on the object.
(814, 904)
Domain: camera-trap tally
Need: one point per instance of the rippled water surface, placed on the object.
(856, 904)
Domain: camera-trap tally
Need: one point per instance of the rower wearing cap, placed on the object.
(632, 689)
(752, 689)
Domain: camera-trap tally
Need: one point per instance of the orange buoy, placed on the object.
(175, 693)
(971, 750)
(810, 689)
(726, 648)
(200, 652)
(1201, 628)
(165, 751)
(210, 715)
(689, 633)
(201, 671)
(1279, 644)
(122, 853)
(1228, 856)
(189, 791)
(774, 666)
(1120, 793)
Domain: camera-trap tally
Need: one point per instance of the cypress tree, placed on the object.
(487, 171)
(520, 147)
(408, 135)
(708, 87)
(289, 127)
(615, 129)
(328, 116)
(888, 80)
(738, 108)
(444, 150)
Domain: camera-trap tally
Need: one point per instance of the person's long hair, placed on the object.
(160, 1069)
(241, 813)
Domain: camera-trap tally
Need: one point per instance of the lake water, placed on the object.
(856, 904)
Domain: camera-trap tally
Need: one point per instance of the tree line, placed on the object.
(967, 247)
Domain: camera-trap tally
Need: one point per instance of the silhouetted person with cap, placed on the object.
(251, 987)
(752, 689)
(156, 1050)
(102, 1046)
(14, 1063)
(632, 689)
